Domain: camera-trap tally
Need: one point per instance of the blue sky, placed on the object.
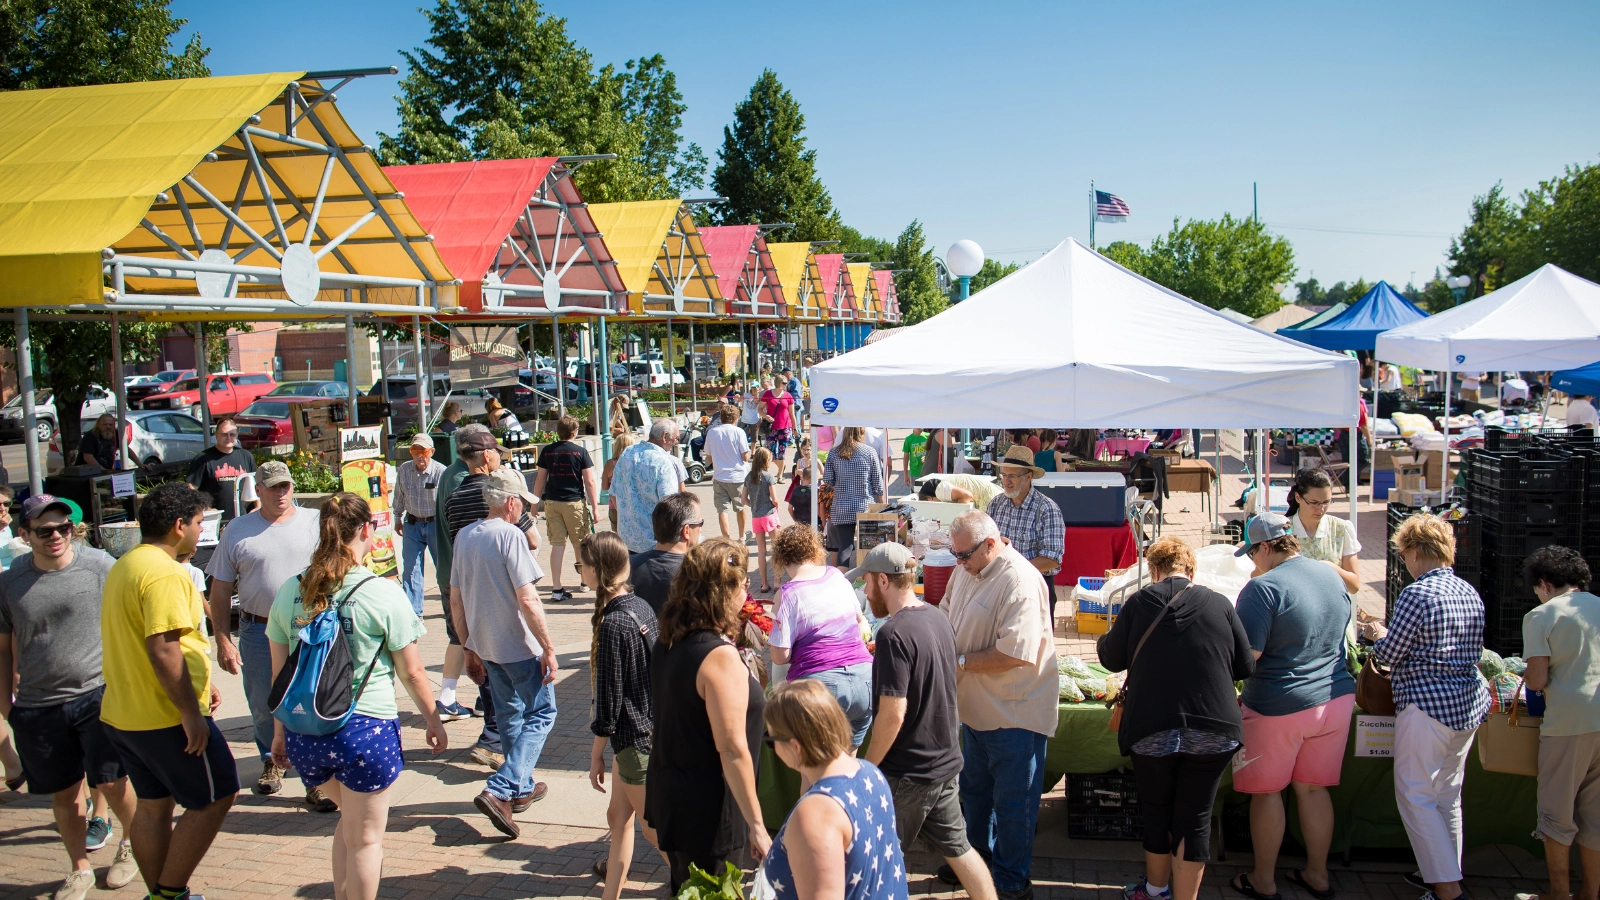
(1368, 126)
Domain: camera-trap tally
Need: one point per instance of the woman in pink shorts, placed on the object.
(1296, 705)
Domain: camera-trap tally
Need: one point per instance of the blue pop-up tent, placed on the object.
(1358, 327)
(1585, 380)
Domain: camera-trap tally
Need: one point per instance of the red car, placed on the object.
(265, 424)
(227, 395)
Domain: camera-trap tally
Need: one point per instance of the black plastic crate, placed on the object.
(1107, 792)
(1115, 826)
(1518, 541)
(1518, 507)
(1534, 468)
(1501, 439)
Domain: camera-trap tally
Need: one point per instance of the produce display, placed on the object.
(1079, 682)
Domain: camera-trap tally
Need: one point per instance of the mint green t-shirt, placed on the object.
(378, 616)
(1567, 629)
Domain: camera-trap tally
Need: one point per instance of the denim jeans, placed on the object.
(852, 687)
(416, 537)
(255, 667)
(525, 711)
(1002, 777)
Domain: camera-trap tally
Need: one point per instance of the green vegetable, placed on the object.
(1070, 691)
(1071, 665)
(702, 886)
(1516, 665)
(1490, 664)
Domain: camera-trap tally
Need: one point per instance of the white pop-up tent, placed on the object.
(1546, 320)
(1074, 340)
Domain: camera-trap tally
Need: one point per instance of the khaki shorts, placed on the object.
(632, 765)
(564, 519)
(725, 496)
(1569, 789)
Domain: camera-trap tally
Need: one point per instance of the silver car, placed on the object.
(161, 438)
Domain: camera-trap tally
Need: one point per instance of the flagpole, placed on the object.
(1091, 214)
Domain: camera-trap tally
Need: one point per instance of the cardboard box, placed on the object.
(1430, 463)
(1410, 476)
(1407, 497)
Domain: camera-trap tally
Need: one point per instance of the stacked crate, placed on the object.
(1468, 533)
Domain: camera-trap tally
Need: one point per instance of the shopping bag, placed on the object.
(1374, 691)
(1508, 742)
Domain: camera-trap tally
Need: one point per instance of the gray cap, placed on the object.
(511, 481)
(1261, 528)
(422, 439)
(272, 473)
(887, 558)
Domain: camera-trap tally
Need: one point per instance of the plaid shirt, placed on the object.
(622, 704)
(1435, 639)
(416, 492)
(1035, 528)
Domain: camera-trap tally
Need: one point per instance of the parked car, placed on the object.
(98, 400)
(227, 395)
(266, 423)
(159, 383)
(309, 389)
(158, 440)
(402, 396)
(651, 374)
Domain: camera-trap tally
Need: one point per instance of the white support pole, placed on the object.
(672, 383)
(423, 407)
(350, 369)
(120, 391)
(1355, 469)
(202, 369)
(30, 419)
(1444, 467)
(816, 475)
(560, 363)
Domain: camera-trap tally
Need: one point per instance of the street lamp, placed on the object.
(1458, 285)
(964, 259)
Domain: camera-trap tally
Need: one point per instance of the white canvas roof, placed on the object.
(1548, 319)
(1075, 340)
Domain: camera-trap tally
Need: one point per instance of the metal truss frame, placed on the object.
(682, 268)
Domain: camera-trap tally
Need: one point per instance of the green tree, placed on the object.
(1225, 264)
(71, 43)
(1434, 295)
(854, 242)
(499, 79)
(1561, 224)
(1493, 236)
(916, 279)
(765, 170)
(991, 272)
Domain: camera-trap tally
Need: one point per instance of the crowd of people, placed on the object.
(933, 728)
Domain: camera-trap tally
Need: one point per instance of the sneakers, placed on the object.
(452, 712)
(99, 833)
(271, 780)
(477, 706)
(1139, 891)
(320, 802)
(498, 811)
(123, 868)
(484, 756)
(76, 886)
(560, 595)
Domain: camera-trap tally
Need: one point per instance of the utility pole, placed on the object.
(1255, 204)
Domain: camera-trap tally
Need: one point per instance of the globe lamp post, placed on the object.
(1458, 285)
(964, 259)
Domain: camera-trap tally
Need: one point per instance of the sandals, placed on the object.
(1241, 883)
(1299, 881)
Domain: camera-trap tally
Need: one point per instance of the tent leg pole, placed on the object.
(1444, 467)
(30, 418)
(694, 378)
(383, 381)
(202, 369)
(422, 381)
(561, 375)
(816, 475)
(1355, 470)
(602, 395)
(121, 392)
(350, 368)
(672, 383)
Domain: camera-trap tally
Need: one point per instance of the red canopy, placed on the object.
(835, 285)
(744, 269)
(887, 295)
(472, 208)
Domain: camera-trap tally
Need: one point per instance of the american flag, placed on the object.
(1109, 207)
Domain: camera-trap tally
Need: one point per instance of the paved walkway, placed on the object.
(439, 845)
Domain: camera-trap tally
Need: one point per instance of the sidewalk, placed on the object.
(438, 845)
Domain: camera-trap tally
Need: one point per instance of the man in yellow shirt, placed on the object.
(159, 696)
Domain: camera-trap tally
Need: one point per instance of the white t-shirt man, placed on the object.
(727, 445)
(1581, 412)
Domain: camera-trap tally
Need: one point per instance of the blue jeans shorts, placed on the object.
(852, 687)
(364, 755)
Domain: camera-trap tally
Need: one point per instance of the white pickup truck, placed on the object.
(650, 374)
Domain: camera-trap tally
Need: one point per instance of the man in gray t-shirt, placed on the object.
(501, 624)
(50, 614)
(259, 551)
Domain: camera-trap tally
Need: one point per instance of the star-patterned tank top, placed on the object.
(873, 866)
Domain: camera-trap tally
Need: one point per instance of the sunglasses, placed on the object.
(964, 555)
(65, 529)
(699, 524)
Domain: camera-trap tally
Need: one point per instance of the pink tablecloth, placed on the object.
(1109, 447)
(1092, 550)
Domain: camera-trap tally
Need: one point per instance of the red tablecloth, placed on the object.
(1092, 550)
(1110, 447)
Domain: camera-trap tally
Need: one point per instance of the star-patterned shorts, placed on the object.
(364, 755)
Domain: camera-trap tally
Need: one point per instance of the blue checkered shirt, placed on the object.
(1035, 528)
(1435, 639)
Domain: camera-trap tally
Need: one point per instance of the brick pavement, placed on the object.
(438, 845)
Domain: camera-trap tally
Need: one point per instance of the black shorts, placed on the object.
(60, 745)
(839, 537)
(159, 768)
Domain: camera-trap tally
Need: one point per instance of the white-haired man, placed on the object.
(644, 474)
(501, 623)
(1005, 693)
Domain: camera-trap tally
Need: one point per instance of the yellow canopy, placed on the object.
(660, 257)
(797, 272)
(81, 168)
(866, 291)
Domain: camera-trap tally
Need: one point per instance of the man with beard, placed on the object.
(1027, 518)
(916, 729)
(99, 444)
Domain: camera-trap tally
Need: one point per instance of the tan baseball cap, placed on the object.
(511, 481)
(273, 473)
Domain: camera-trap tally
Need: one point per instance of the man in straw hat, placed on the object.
(1027, 518)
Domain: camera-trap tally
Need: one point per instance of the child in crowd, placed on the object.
(761, 496)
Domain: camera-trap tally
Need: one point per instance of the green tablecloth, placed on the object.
(1497, 809)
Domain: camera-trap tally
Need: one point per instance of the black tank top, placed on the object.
(686, 800)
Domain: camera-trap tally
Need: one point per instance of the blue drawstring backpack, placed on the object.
(312, 694)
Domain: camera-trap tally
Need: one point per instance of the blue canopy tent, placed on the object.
(1358, 327)
(1585, 380)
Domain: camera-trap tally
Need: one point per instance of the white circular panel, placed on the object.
(677, 299)
(213, 284)
(301, 277)
(552, 289)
